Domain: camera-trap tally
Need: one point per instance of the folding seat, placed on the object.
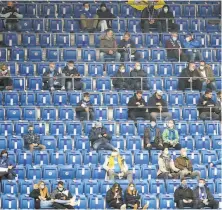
(3, 54)
(35, 83)
(134, 25)
(154, 156)
(205, 11)
(172, 185)
(150, 68)
(103, 154)
(218, 184)
(65, 10)
(82, 142)
(49, 141)
(98, 172)
(141, 125)
(216, 68)
(43, 98)
(55, 25)
(157, 83)
(178, 67)
(88, 55)
(29, 113)
(95, 70)
(126, 10)
(192, 183)
(125, 96)
(26, 69)
(136, 172)
(197, 25)
(183, 25)
(71, 25)
(49, 172)
(21, 128)
(171, 83)
(41, 157)
(201, 169)
(110, 126)
(148, 171)
(175, 113)
(73, 128)
(141, 157)
(48, 10)
(91, 187)
(111, 99)
(201, 38)
(187, 142)
(35, 172)
(66, 113)
(118, 142)
(9, 187)
(39, 25)
(120, 113)
(101, 113)
(157, 186)
(26, 202)
(65, 143)
(207, 55)
(105, 186)
(166, 201)
(52, 55)
(57, 158)
(133, 143)
(150, 200)
(95, 98)
(208, 156)
(35, 54)
(48, 113)
(63, 40)
(57, 128)
(192, 97)
(24, 158)
(218, 83)
(11, 66)
(66, 172)
(13, 113)
(189, 113)
(90, 158)
(217, 55)
(138, 39)
(9, 202)
(144, 54)
(31, 10)
(176, 10)
(69, 54)
(189, 11)
(46, 39)
(212, 128)
(158, 55)
(17, 54)
(216, 142)
(10, 39)
(82, 40)
(165, 69)
(25, 24)
(176, 98)
(96, 202)
(194, 156)
(87, 83)
(3, 142)
(215, 40)
(11, 98)
(60, 98)
(127, 128)
(74, 98)
(152, 40)
(127, 155)
(21, 8)
(88, 126)
(214, 172)
(6, 128)
(83, 172)
(76, 187)
(25, 186)
(118, 37)
(74, 157)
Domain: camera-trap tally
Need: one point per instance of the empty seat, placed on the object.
(63, 40)
(216, 142)
(66, 172)
(171, 84)
(172, 185)
(73, 128)
(24, 158)
(158, 55)
(120, 114)
(9, 202)
(21, 128)
(111, 99)
(74, 98)
(13, 113)
(82, 40)
(134, 25)
(10, 39)
(35, 54)
(208, 156)
(202, 142)
(149, 200)
(189, 113)
(74, 157)
(17, 54)
(9, 187)
(66, 113)
(26, 69)
(39, 25)
(189, 11)
(69, 54)
(49, 141)
(157, 83)
(166, 201)
(48, 113)
(25, 186)
(55, 25)
(118, 142)
(57, 128)
(150, 68)
(214, 172)
(6, 128)
(176, 98)
(96, 202)
(60, 98)
(215, 40)
(41, 157)
(57, 158)
(165, 69)
(157, 186)
(29, 113)
(183, 24)
(101, 113)
(127, 128)
(43, 98)
(82, 142)
(196, 128)
(34, 173)
(3, 54)
(95, 69)
(65, 10)
(192, 98)
(48, 10)
(212, 128)
(49, 172)
(46, 39)
(83, 172)
(11, 98)
(176, 10)
(71, 25)
(152, 40)
(25, 202)
(205, 11)
(133, 143)
(65, 143)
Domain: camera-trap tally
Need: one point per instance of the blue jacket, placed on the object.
(4, 162)
(88, 13)
(191, 44)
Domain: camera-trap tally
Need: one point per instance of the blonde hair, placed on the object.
(43, 192)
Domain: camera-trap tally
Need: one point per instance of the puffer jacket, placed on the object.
(108, 43)
(183, 163)
(95, 132)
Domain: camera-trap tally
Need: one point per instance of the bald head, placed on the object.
(183, 152)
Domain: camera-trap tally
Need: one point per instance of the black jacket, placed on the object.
(131, 199)
(107, 15)
(183, 193)
(110, 197)
(12, 18)
(73, 72)
(36, 193)
(148, 13)
(187, 73)
(122, 81)
(158, 138)
(164, 15)
(47, 74)
(210, 103)
(141, 73)
(79, 108)
(132, 102)
(196, 193)
(153, 101)
(95, 132)
(127, 44)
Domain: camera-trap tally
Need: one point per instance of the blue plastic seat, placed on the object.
(150, 200)
(215, 172)
(49, 141)
(216, 142)
(189, 11)
(71, 25)
(6, 128)
(172, 185)
(83, 172)
(126, 10)
(88, 126)
(101, 113)
(91, 157)
(66, 113)
(170, 83)
(24, 158)
(29, 113)
(110, 126)
(165, 69)
(201, 169)
(3, 142)
(120, 114)
(207, 55)
(35, 54)
(73, 128)
(88, 55)
(31, 10)
(194, 156)
(41, 157)
(9, 202)
(82, 40)
(66, 172)
(75, 187)
(103, 84)
(208, 156)
(55, 25)
(48, 10)
(175, 113)
(3, 53)
(57, 158)
(21, 128)
(26, 202)
(176, 98)
(192, 97)
(157, 186)
(95, 98)
(105, 186)
(134, 25)
(183, 24)
(60, 98)
(205, 11)
(141, 157)
(52, 55)
(9, 187)
(17, 54)
(178, 67)
(127, 128)
(65, 10)
(69, 54)
(25, 24)
(65, 143)
(35, 172)
(91, 187)
(166, 201)
(157, 83)
(74, 157)
(111, 99)
(201, 38)
(96, 202)
(10, 39)
(74, 98)
(150, 68)
(48, 113)
(11, 66)
(152, 40)
(197, 25)
(138, 40)
(82, 142)
(118, 142)
(215, 40)
(125, 96)
(49, 172)
(39, 25)
(46, 39)
(63, 40)
(127, 155)
(13, 113)
(133, 143)
(11, 98)
(182, 127)
(196, 128)
(212, 128)
(189, 113)
(216, 69)
(26, 69)
(218, 184)
(144, 54)
(98, 172)
(95, 70)
(43, 98)
(154, 156)
(187, 142)
(35, 83)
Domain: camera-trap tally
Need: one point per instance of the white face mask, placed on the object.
(123, 70)
(103, 9)
(131, 188)
(174, 38)
(165, 10)
(138, 68)
(70, 67)
(51, 69)
(153, 124)
(201, 67)
(86, 9)
(187, 39)
(201, 185)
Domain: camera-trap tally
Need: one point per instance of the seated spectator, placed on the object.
(12, 16)
(139, 80)
(183, 196)
(136, 107)
(149, 19)
(219, 104)
(185, 165)
(117, 168)
(70, 71)
(100, 138)
(108, 46)
(167, 169)
(105, 17)
(6, 168)
(190, 78)
(53, 79)
(88, 20)
(114, 197)
(41, 195)
(203, 197)
(84, 109)
(206, 107)
(207, 76)
(152, 136)
(166, 19)
(191, 45)
(215, 163)
(63, 199)
(127, 48)
(174, 49)
(5, 78)
(171, 136)
(32, 140)
(158, 106)
(121, 79)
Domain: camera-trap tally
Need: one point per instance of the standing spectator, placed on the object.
(41, 195)
(116, 167)
(185, 165)
(190, 78)
(127, 48)
(174, 48)
(121, 79)
(152, 136)
(149, 19)
(100, 138)
(158, 106)
(139, 78)
(88, 20)
(207, 76)
(32, 140)
(84, 108)
(5, 78)
(70, 71)
(108, 46)
(114, 197)
(219, 104)
(53, 79)
(136, 107)
(105, 17)
(191, 45)
(183, 196)
(6, 168)
(167, 169)
(11, 16)
(203, 197)
(171, 136)
(215, 163)
(166, 19)
(206, 107)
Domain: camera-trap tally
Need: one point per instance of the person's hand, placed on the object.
(190, 200)
(211, 165)
(100, 136)
(110, 52)
(185, 201)
(160, 108)
(148, 145)
(158, 104)
(152, 21)
(137, 103)
(87, 109)
(204, 102)
(43, 199)
(105, 135)
(190, 80)
(121, 174)
(205, 201)
(208, 81)
(35, 145)
(10, 167)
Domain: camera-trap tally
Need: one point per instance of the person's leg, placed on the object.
(215, 116)
(83, 22)
(195, 174)
(111, 175)
(177, 146)
(102, 54)
(9, 26)
(58, 206)
(183, 57)
(95, 21)
(69, 85)
(31, 147)
(157, 146)
(204, 85)
(183, 173)
(83, 116)
(18, 27)
(199, 55)
(117, 57)
(154, 115)
(50, 83)
(42, 147)
(96, 144)
(69, 207)
(204, 116)
(180, 204)
(91, 115)
(214, 204)
(212, 86)
(166, 115)
(163, 176)
(146, 26)
(125, 56)
(129, 176)
(198, 84)
(132, 115)
(198, 204)
(106, 146)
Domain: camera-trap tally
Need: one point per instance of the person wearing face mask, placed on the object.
(114, 197)
(174, 48)
(207, 76)
(105, 17)
(41, 195)
(53, 79)
(218, 104)
(121, 79)
(185, 165)
(153, 137)
(70, 71)
(84, 109)
(12, 17)
(6, 167)
(191, 48)
(183, 196)
(100, 138)
(171, 136)
(139, 78)
(32, 140)
(203, 197)
(108, 47)
(5, 78)
(190, 78)
(167, 169)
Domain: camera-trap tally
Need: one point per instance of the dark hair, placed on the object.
(116, 185)
(127, 33)
(191, 62)
(30, 126)
(3, 152)
(108, 30)
(139, 92)
(202, 61)
(183, 179)
(72, 62)
(85, 94)
(208, 91)
(201, 179)
(60, 183)
(85, 3)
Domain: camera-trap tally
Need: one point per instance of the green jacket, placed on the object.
(209, 73)
(165, 136)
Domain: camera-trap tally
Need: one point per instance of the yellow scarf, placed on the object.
(143, 4)
(111, 161)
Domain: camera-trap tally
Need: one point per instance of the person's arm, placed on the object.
(104, 131)
(131, 102)
(109, 197)
(121, 46)
(209, 194)
(165, 136)
(18, 15)
(211, 74)
(195, 43)
(5, 14)
(162, 166)
(79, 108)
(177, 164)
(146, 136)
(92, 135)
(102, 46)
(176, 196)
(69, 195)
(125, 166)
(190, 167)
(27, 140)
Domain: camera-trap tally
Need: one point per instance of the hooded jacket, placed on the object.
(196, 193)
(153, 101)
(95, 132)
(132, 102)
(141, 74)
(210, 103)
(108, 43)
(209, 73)
(68, 73)
(164, 16)
(149, 13)
(183, 163)
(191, 44)
(183, 193)
(170, 135)
(121, 78)
(147, 135)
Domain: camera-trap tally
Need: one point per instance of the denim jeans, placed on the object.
(45, 204)
(104, 144)
(116, 55)
(193, 55)
(13, 26)
(211, 85)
